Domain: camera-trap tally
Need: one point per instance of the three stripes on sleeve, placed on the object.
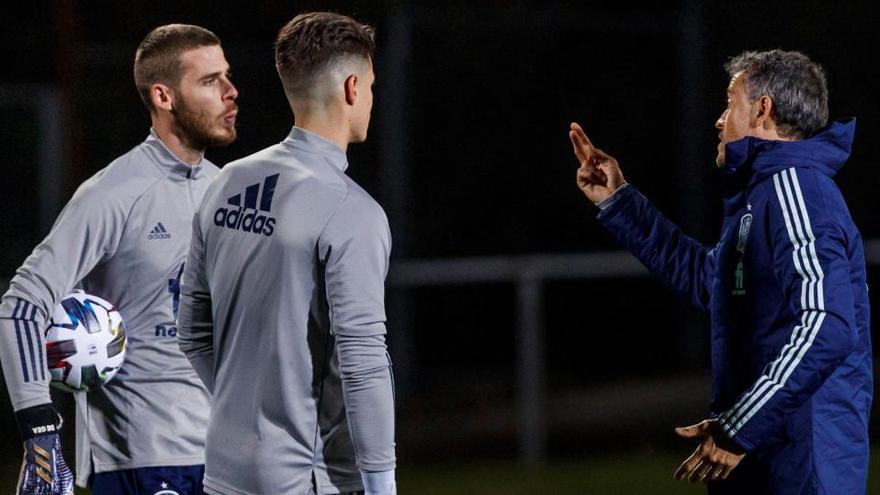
(812, 303)
(31, 349)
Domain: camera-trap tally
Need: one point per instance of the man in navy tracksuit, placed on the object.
(785, 286)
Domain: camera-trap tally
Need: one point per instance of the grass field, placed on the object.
(626, 474)
(620, 474)
(631, 474)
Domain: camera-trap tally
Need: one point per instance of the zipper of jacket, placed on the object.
(189, 189)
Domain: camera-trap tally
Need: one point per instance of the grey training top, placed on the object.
(282, 314)
(124, 237)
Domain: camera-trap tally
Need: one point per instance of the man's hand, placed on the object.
(711, 461)
(43, 471)
(599, 175)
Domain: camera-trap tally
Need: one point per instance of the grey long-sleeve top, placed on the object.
(124, 237)
(282, 315)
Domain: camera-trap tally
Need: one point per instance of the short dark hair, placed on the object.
(794, 83)
(158, 56)
(312, 42)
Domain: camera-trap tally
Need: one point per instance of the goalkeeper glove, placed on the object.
(43, 471)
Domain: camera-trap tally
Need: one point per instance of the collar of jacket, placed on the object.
(751, 160)
(168, 161)
(310, 142)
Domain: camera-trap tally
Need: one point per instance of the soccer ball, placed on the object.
(85, 342)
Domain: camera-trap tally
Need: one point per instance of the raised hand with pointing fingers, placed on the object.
(599, 174)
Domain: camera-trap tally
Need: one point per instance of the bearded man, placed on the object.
(124, 237)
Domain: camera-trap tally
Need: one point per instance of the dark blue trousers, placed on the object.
(162, 480)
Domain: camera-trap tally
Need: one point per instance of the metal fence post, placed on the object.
(530, 370)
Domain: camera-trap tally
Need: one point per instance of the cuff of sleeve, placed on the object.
(379, 483)
(736, 440)
(610, 200)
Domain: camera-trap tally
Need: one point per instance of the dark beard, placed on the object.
(196, 126)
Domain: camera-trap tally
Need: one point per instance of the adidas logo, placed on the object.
(248, 217)
(159, 232)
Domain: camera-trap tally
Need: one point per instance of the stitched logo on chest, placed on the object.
(159, 232)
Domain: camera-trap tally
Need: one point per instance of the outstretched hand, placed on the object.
(711, 461)
(599, 174)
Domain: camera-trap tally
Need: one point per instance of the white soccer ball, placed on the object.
(85, 342)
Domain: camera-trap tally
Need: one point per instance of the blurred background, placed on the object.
(531, 356)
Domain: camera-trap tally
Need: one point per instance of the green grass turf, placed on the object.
(624, 474)
(619, 474)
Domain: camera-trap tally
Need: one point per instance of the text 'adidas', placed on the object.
(250, 221)
(159, 232)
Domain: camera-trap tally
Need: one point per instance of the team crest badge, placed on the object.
(745, 224)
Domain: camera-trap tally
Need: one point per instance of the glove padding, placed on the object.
(43, 471)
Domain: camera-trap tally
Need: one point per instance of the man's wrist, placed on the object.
(725, 441)
(612, 198)
(37, 421)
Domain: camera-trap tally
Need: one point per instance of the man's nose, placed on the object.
(719, 124)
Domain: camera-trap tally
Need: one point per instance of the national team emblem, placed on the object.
(745, 224)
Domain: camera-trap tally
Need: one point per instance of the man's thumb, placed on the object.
(693, 431)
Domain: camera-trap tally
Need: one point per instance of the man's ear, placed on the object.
(162, 96)
(762, 113)
(351, 89)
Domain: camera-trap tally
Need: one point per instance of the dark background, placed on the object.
(468, 153)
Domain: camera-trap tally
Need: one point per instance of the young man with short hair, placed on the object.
(144, 431)
(785, 287)
(282, 308)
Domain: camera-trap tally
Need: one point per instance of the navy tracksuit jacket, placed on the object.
(786, 292)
